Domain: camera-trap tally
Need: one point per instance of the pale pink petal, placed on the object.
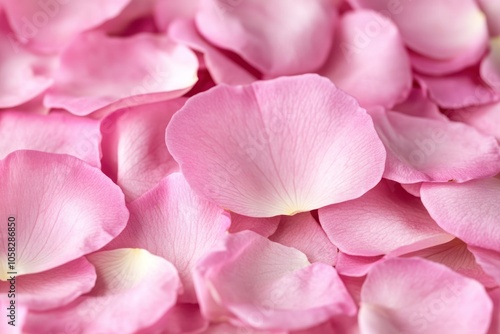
(167, 11)
(419, 296)
(280, 146)
(337, 325)
(226, 328)
(266, 285)
(172, 222)
(468, 210)
(48, 25)
(133, 146)
(272, 36)
(384, 220)
(495, 321)
(369, 60)
(456, 255)
(489, 260)
(355, 266)
(458, 90)
(97, 71)
(13, 321)
(54, 133)
(484, 118)
(417, 104)
(134, 289)
(491, 8)
(63, 207)
(180, 319)
(53, 288)
(304, 233)
(422, 149)
(222, 69)
(490, 65)
(440, 29)
(24, 74)
(262, 226)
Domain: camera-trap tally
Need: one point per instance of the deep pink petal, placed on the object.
(272, 36)
(369, 60)
(275, 147)
(422, 149)
(419, 296)
(49, 25)
(134, 289)
(133, 147)
(305, 234)
(64, 208)
(54, 133)
(172, 222)
(266, 285)
(384, 220)
(97, 71)
(222, 69)
(180, 319)
(262, 226)
(53, 288)
(440, 29)
(468, 210)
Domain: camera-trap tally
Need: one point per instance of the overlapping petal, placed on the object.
(272, 36)
(422, 149)
(101, 72)
(384, 220)
(369, 60)
(64, 207)
(418, 296)
(265, 285)
(173, 222)
(276, 147)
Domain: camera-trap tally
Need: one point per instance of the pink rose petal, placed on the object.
(490, 65)
(276, 147)
(484, 118)
(262, 226)
(489, 260)
(180, 319)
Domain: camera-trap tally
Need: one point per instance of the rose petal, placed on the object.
(263, 226)
(484, 118)
(63, 207)
(276, 147)
(417, 104)
(182, 318)
(489, 260)
(490, 65)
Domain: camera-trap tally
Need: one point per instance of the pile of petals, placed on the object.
(250, 166)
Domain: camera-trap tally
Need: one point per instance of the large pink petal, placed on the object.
(422, 149)
(419, 296)
(305, 234)
(490, 65)
(266, 285)
(167, 11)
(275, 147)
(484, 118)
(386, 219)
(133, 146)
(458, 90)
(53, 288)
(63, 208)
(54, 133)
(468, 210)
(495, 321)
(440, 29)
(172, 222)
(134, 289)
(262, 226)
(24, 74)
(222, 69)
(49, 25)
(456, 255)
(369, 60)
(97, 71)
(272, 36)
